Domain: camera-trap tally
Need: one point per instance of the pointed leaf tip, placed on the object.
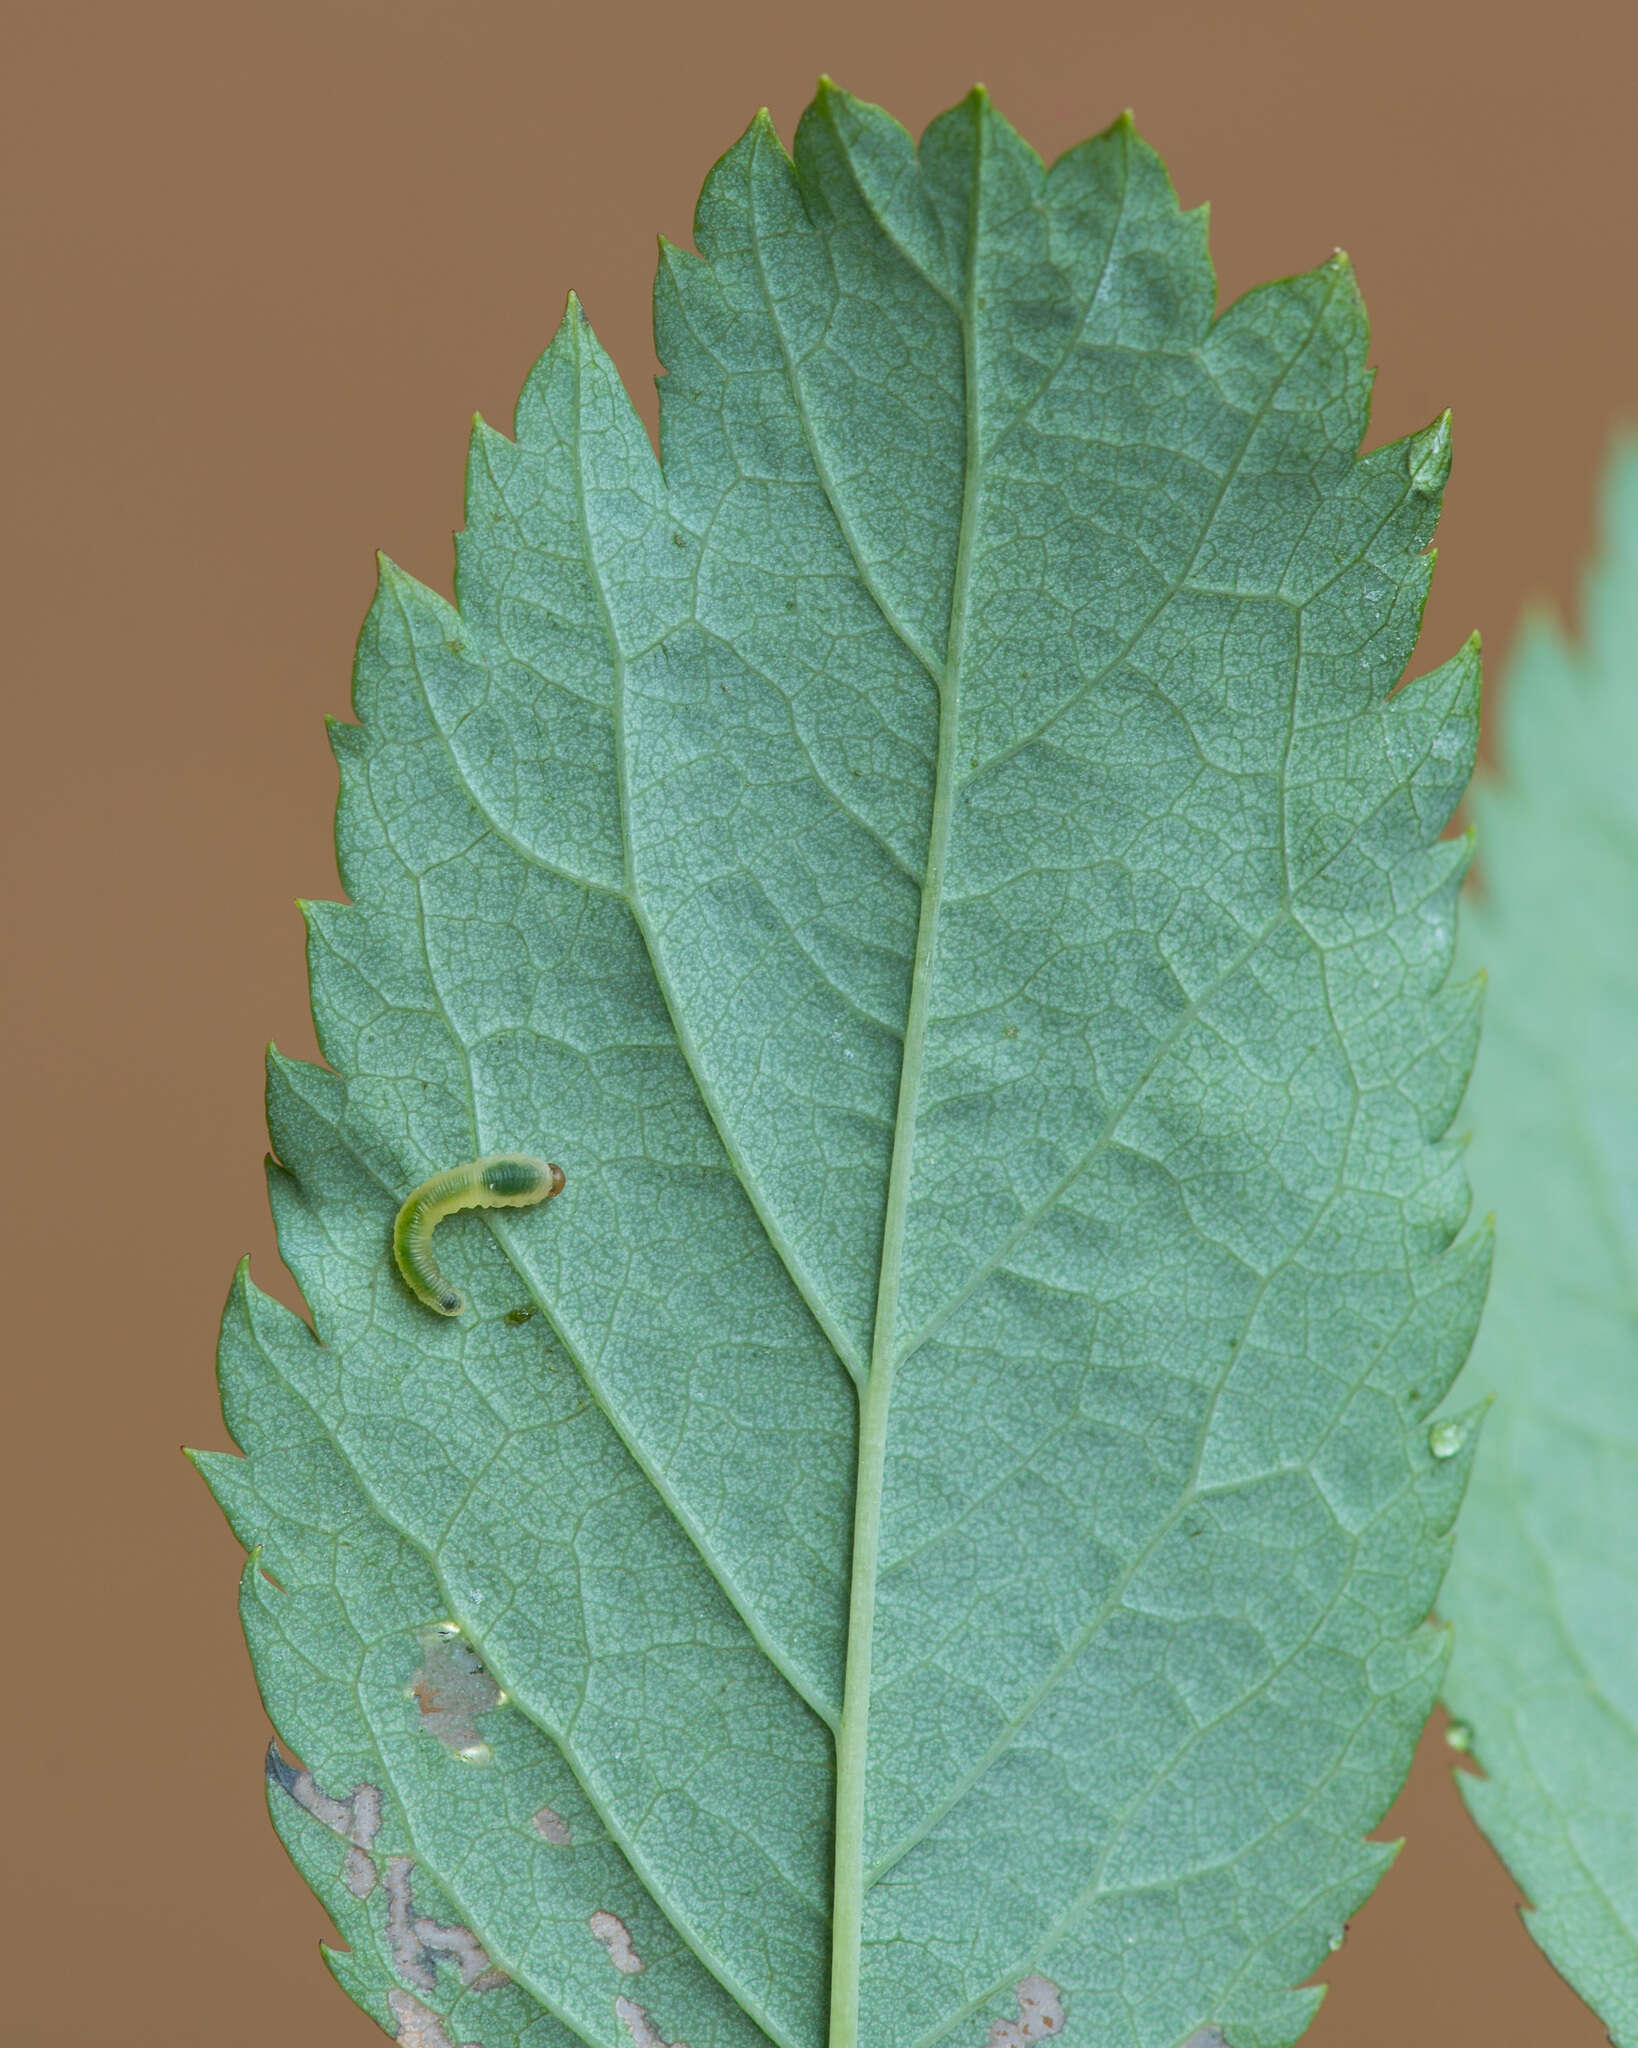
(1429, 453)
(542, 952)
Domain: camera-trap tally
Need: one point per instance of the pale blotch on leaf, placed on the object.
(418, 1942)
(634, 2018)
(418, 2026)
(1040, 2016)
(681, 849)
(553, 1828)
(452, 1688)
(408, 1957)
(357, 1818)
(613, 1933)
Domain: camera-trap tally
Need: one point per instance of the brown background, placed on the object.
(265, 261)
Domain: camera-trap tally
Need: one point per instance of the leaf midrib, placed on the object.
(851, 1880)
(852, 1748)
(875, 1400)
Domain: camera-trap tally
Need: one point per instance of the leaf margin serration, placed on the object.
(1535, 1699)
(1451, 1475)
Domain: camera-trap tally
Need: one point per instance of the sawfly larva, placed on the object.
(500, 1180)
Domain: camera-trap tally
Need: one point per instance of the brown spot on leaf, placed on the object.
(612, 1932)
(409, 1959)
(357, 1819)
(552, 1827)
(418, 1941)
(418, 2027)
(1040, 2015)
(452, 1688)
(640, 2027)
(462, 1947)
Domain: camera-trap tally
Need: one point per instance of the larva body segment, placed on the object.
(500, 1180)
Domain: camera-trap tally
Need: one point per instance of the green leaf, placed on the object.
(1544, 1588)
(939, 1509)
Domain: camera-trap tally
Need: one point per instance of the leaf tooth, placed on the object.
(1420, 1364)
(1428, 457)
(1445, 1450)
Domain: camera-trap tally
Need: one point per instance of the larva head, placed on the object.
(516, 1176)
(450, 1301)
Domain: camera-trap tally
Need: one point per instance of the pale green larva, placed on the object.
(501, 1180)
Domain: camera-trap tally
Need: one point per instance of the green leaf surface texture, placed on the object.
(929, 1537)
(1543, 1589)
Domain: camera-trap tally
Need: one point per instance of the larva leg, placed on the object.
(501, 1180)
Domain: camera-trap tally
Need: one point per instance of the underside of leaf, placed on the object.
(1543, 1590)
(929, 1536)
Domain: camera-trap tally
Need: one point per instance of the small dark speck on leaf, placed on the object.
(519, 1315)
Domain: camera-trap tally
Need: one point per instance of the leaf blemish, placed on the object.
(452, 1688)
(418, 1942)
(462, 1947)
(1040, 2015)
(791, 943)
(613, 1933)
(410, 1960)
(357, 1818)
(418, 2026)
(640, 2027)
(553, 1828)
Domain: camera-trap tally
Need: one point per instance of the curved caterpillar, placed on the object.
(500, 1180)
